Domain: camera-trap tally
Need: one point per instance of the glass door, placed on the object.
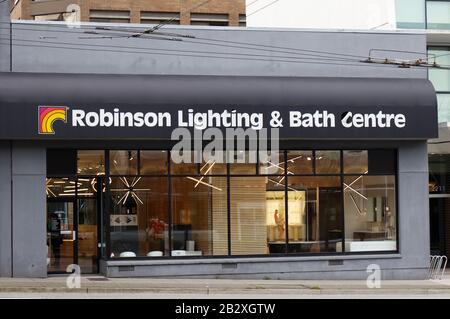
(439, 209)
(73, 207)
(88, 207)
(61, 235)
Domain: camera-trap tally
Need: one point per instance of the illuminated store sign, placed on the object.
(88, 106)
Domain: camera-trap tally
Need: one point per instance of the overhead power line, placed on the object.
(293, 53)
(214, 42)
(165, 52)
(219, 43)
(159, 26)
(185, 51)
(251, 3)
(262, 8)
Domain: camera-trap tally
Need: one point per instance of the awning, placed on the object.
(36, 106)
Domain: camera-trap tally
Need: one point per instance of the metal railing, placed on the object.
(437, 266)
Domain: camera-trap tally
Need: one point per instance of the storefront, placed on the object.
(348, 187)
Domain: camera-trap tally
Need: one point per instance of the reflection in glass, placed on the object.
(153, 163)
(244, 163)
(328, 162)
(272, 164)
(370, 213)
(300, 162)
(212, 167)
(356, 162)
(123, 162)
(139, 216)
(444, 107)
(200, 226)
(319, 201)
(186, 166)
(438, 15)
(440, 77)
(410, 14)
(90, 162)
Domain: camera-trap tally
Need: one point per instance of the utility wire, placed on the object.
(239, 45)
(159, 26)
(219, 42)
(245, 45)
(269, 58)
(262, 8)
(226, 57)
(321, 55)
(184, 51)
(209, 53)
(253, 2)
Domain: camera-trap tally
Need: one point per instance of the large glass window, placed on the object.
(370, 213)
(328, 162)
(153, 162)
(318, 201)
(439, 77)
(257, 216)
(244, 163)
(199, 216)
(438, 15)
(113, 16)
(123, 162)
(300, 162)
(91, 162)
(356, 162)
(443, 107)
(326, 201)
(410, 14)
(184, 164)
(441, 80)
(139, 216)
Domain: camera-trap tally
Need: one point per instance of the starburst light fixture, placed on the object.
(130, 190)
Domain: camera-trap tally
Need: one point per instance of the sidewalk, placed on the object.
(228, 287)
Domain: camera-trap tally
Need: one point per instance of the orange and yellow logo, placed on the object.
(48, 115)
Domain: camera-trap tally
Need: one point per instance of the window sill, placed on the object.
(186, 261)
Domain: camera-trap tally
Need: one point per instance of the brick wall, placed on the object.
(27, 9)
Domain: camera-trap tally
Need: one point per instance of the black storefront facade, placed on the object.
(348, 188)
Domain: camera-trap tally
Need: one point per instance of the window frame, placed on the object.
(228, 176)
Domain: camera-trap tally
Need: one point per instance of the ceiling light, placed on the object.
(130, 191)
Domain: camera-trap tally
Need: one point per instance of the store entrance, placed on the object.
(72, 224)
(439, 224)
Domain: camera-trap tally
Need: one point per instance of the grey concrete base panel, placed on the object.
(326, 268)
(29, 206)
(5, 210)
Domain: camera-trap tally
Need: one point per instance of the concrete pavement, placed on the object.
(218, 288)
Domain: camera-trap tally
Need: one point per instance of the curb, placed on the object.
(232, 291)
